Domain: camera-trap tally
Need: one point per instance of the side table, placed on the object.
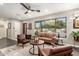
(59, 40)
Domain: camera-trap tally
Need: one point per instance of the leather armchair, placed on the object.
(22, 39)
(57, 51)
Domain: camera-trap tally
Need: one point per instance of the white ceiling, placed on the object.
(15, 10)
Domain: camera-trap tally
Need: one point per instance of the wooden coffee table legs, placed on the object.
(33, 50)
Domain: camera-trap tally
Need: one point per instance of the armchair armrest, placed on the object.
(21, 40)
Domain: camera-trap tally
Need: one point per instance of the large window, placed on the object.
(57, 25)
(61, 27)
(48, 25)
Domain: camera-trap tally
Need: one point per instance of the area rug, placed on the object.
(1, 54)
(19, 51)
(16, 50)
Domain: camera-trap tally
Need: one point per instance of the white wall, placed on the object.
(18, 28)
(70, 28)
(15, 29)
(3, 27)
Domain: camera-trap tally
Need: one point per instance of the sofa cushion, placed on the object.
(47, 37)
(57, 51)
(44, 38)
(45, 34)
(52, 35)
(60, 49)
(41, 34)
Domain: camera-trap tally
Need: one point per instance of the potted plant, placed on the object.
(75, 35)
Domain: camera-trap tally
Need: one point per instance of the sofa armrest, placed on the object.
(53, 40)
(42, 53)
(53, 45)
(54, 37)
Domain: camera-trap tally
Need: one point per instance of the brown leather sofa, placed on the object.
(57, 51)
(48, 38)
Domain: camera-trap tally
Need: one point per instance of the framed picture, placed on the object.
(30, 26)
(76, 23)
(9, 25)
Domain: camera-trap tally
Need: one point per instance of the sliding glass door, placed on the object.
(61, 27)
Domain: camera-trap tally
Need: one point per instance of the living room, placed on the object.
(28, 20)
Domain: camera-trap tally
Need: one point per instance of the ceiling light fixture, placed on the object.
(29, 11)
(29, 15)
(46, 10)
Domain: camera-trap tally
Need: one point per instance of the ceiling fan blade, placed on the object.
(29, 7)
(26, 12)
(36, 10)
(24, 5)
(32, 10)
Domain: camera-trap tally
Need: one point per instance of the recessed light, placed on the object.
(19, 18)
(29, 15)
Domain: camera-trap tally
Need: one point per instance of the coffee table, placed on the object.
(35, 43)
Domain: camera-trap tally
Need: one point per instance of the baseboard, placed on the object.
(3, 38)
(11, 39)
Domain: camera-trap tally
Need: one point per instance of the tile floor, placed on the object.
(6, 43)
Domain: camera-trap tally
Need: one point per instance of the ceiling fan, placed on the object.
(28, 8)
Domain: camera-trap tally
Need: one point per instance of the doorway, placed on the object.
(25, 28)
